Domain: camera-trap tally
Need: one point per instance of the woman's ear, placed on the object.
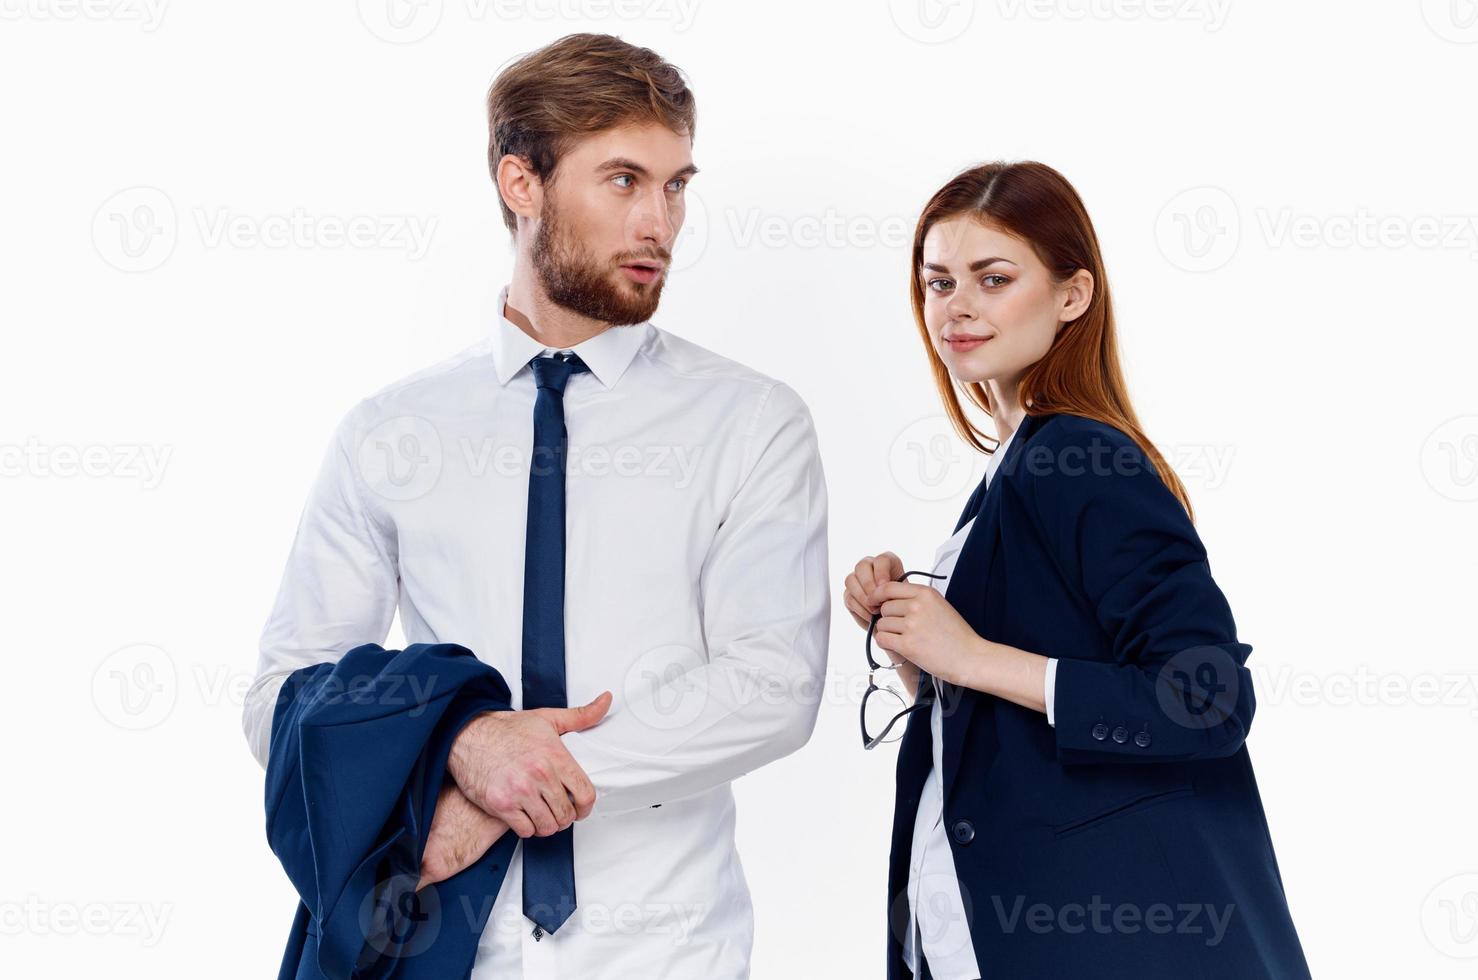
(519, 186)
(1076, 293)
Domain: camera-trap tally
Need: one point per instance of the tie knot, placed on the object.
(554, 372)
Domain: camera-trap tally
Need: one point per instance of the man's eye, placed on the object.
(677, 184)
(621, 177)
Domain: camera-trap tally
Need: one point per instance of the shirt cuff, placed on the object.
(1050, 689)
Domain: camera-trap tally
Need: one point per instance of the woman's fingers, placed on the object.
(889, 637)
(894, 591)
(886, 567)
(899, 606)
(890, 626)
(864, 575)
(872, 571)
(854, 605)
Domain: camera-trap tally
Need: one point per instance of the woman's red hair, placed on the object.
(1080, 373)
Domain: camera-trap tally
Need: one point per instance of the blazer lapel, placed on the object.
(967, 593)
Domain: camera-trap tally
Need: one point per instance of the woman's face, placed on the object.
(990, 304)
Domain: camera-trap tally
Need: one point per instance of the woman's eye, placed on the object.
(938, 285)
(994, 280)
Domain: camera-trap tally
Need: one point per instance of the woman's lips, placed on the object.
(961, 344)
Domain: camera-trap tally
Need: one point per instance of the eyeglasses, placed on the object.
(881, 705)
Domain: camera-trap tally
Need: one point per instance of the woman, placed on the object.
(1077, 799)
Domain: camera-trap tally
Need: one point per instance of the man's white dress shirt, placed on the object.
(696, 591)
(937, 914)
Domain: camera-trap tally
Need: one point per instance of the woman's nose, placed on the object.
(959, 309)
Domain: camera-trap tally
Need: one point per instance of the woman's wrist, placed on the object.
(977, 668)
(1018, 676)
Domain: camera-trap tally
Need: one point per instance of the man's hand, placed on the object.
(513, 765)
(461, 833)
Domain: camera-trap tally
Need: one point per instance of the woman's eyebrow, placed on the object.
(975, 266)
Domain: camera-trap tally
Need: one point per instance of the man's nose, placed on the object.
(654, 221)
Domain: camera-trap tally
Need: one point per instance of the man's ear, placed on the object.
(520, 187)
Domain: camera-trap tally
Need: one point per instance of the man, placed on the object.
(610, 516)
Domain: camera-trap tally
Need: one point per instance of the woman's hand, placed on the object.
(920, 626)
(870, 572)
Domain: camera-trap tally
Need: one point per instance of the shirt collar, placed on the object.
(608, 354)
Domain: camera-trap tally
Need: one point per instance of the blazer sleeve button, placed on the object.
(1100, 731)
(1142, 739)
(1121, 734)
(964, 831)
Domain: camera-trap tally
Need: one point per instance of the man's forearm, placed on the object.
(706, 728)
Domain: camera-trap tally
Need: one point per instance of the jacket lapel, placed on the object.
(967, 593)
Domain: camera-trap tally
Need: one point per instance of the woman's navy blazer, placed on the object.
(1129, 840)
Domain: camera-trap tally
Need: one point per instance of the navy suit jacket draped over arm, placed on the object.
(358, 756)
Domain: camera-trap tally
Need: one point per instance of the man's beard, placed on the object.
(573, 279)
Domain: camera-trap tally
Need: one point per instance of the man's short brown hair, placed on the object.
(581, 84)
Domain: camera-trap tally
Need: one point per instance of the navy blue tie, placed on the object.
(548, 862)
